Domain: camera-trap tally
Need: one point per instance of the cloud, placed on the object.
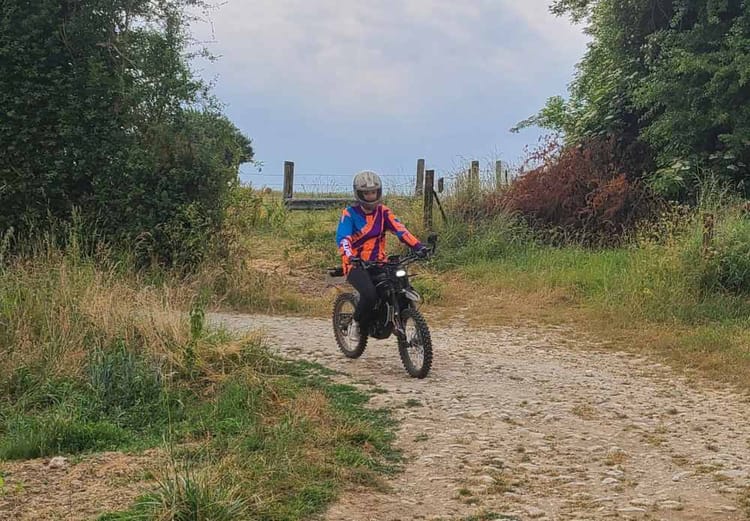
(552, 31)
(386, 58)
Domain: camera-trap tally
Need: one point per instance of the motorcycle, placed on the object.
(396, 312)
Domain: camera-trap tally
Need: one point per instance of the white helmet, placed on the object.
(366, 181)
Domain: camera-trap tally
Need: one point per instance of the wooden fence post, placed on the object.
(474, 174)
(429, 187)
(441, 185)
(498, 174)
(288, 190)
(420, 178)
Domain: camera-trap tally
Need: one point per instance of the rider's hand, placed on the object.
(422, 252)
(355, 261)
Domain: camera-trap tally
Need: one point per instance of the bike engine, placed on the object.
(380, 331)
(380, 327)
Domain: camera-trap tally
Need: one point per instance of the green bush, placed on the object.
(137, 145)
(725, 266)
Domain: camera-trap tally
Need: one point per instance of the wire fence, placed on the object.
(486, 175)
(317, 183)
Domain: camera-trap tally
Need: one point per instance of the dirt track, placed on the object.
(525, 424)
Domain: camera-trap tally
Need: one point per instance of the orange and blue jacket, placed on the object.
(362, 234)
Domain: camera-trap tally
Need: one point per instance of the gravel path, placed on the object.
(521, 423)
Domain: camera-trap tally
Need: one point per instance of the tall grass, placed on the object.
(664, 280)
(56, 310)
(94, 358)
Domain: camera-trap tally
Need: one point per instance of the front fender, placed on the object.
(412, 295)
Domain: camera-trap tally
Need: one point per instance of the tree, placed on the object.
(668, 78)
(697, 97)
(102, 112)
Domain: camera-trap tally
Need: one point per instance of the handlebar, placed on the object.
(401, 261)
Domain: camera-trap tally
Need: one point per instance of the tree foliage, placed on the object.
(100, 111)
(669, 77)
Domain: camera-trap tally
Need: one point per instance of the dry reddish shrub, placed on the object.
(583, 193)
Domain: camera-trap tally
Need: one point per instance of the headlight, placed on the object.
(401, 273)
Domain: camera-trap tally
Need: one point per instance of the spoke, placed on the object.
(344, 321)
(415, 348)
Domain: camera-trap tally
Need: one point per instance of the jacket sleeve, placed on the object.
(344, 234)
(404, 235)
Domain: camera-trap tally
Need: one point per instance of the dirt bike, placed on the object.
(395, 313)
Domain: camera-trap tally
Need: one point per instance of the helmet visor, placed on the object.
(369, 198)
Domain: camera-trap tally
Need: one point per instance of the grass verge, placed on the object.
(95, 360)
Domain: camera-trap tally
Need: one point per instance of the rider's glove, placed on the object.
(422, 252)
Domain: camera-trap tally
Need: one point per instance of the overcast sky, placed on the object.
(338, 86)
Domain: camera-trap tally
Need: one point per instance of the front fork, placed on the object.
(394, 317)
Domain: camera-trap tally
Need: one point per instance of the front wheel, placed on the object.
(416, 346)
(343, 315)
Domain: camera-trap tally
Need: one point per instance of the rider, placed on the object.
(361, 236)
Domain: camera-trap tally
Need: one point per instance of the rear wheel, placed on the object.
(416, 348)
(343, 315)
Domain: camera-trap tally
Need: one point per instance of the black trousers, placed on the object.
(360, 279)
